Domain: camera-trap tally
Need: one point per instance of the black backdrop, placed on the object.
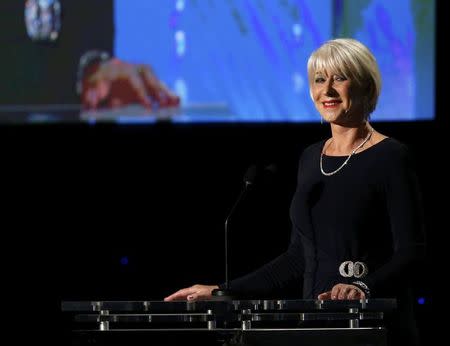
(76, 201)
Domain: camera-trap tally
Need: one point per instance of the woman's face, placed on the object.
(335, 97)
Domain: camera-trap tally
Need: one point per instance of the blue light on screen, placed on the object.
(124, 260)
(250, 55)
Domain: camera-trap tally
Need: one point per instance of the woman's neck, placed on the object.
(345, 139)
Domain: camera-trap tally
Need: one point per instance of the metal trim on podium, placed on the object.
(232, 322)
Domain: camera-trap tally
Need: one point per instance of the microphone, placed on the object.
(253, 175)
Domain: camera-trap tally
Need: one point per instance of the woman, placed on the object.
(356, 214)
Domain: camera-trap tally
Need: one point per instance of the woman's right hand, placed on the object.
(196, 292)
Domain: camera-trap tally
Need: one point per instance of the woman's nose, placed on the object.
(329, 88)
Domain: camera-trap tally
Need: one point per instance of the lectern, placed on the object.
(232, 322)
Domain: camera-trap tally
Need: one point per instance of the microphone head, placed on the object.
(255, 173)
(250, 174)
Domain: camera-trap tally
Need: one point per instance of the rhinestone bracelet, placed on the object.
(363, 287)
(87, 59)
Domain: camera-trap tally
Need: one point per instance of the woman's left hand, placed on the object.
(343, 292)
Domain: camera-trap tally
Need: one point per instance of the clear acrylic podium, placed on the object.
(233, 322)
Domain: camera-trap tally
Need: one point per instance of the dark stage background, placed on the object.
(137, 211)
(134, 213)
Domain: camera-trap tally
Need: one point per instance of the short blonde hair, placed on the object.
(351, 59)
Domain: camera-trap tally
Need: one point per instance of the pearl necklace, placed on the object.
(347, 159)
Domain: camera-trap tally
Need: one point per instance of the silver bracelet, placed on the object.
(87, 59)
(363, 287)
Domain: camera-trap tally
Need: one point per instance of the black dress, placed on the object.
(369, 211)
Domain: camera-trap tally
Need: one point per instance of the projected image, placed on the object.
(224, 60)
(246, 57)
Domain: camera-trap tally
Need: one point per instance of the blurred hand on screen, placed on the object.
(116, 83)
(196, 292)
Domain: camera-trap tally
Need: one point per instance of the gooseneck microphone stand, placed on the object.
(225, 293)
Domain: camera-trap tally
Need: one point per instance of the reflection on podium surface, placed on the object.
(249, 322)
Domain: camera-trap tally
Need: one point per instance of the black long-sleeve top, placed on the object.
(369, 211)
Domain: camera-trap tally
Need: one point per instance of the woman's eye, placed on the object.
(340, 78)
(319, 80)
